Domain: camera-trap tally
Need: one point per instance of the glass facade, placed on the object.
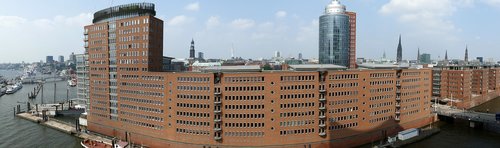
(334, 39)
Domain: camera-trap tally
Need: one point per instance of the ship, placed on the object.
(14, 88)
(72, 82)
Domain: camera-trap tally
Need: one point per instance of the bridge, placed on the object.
(475, 119)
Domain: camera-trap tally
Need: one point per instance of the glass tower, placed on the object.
(334, 35)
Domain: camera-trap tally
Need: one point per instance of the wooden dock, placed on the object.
(63, 127)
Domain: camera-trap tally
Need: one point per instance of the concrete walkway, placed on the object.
(64, 127)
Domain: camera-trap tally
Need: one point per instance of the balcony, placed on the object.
(398, 98)
(218, 138)
(397, 118)
(398, 105)
(322, 125)
(218, 102)
(322, 134)
(322, 99)
(217, 93)
(398, 112)
(217, 129)
(322, 108)
(217, 120)
(217, 111)
(398, 91)
(322, 116)
(322, 90)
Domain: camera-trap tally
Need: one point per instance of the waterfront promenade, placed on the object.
(63, 127)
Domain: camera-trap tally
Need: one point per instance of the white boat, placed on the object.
(72, 82)
(14, 88)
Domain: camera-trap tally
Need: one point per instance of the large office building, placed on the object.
(337, 36)
(82, 80)
(49, 59)
(305, 106)
(466, 85)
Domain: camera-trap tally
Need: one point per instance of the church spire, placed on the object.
(399, 57)
(418, 55)
(466, 54)
(191, 50)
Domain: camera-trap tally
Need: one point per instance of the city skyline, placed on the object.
(288, 27)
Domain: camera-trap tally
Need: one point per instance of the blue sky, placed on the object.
(32, 29)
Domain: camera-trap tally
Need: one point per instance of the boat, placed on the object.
(72, 82)
(87, 143)
(14, 88)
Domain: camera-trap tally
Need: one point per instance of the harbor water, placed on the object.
(20, 133)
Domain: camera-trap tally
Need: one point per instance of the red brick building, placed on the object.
(131, 99)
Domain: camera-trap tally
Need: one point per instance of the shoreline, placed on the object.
(63, 127)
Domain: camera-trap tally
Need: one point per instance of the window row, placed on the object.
(243, 79)
(193, 123)
(243, 98)
(297, 87)
(244, 116)
(296, 123)
(188, 105)
(297, 105)
(245, 88)
(296, 96)
(142, 124)
(343, 126)
(244, 106)
(243, 125)
(191, 114)
(296, 131)
(297, 114)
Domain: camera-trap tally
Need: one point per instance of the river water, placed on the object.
(19, 133)
(16, 132)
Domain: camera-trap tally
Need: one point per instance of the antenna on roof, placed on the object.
(232, 50)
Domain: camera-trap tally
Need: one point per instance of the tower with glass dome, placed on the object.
(337, 36)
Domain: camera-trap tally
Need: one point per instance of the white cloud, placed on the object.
(495, 3)
(242, 23)
(280, 14)
(193, 6)
(308, 33)
(179, 20)
(212, 22)
(428, 15)
(11, 21)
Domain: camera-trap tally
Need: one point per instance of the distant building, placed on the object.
(192, 50)
(277, 54)
(425, 58)
(300, 56)
(337, 36)
(82, 80)
(200, 55)
(61, 59)
(480, 59)
(72, 58)
(399, 56)
(49, 59)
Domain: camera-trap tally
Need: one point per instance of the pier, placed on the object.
(474, 119)
(63, 127)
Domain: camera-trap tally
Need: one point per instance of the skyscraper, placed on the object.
(446, 55)
(337, 36)
(112, 72)
(61, 59)
(399, 57)
(200, 55)
(300, 56)
(49, 59)
(191, 50)
(425, 58)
